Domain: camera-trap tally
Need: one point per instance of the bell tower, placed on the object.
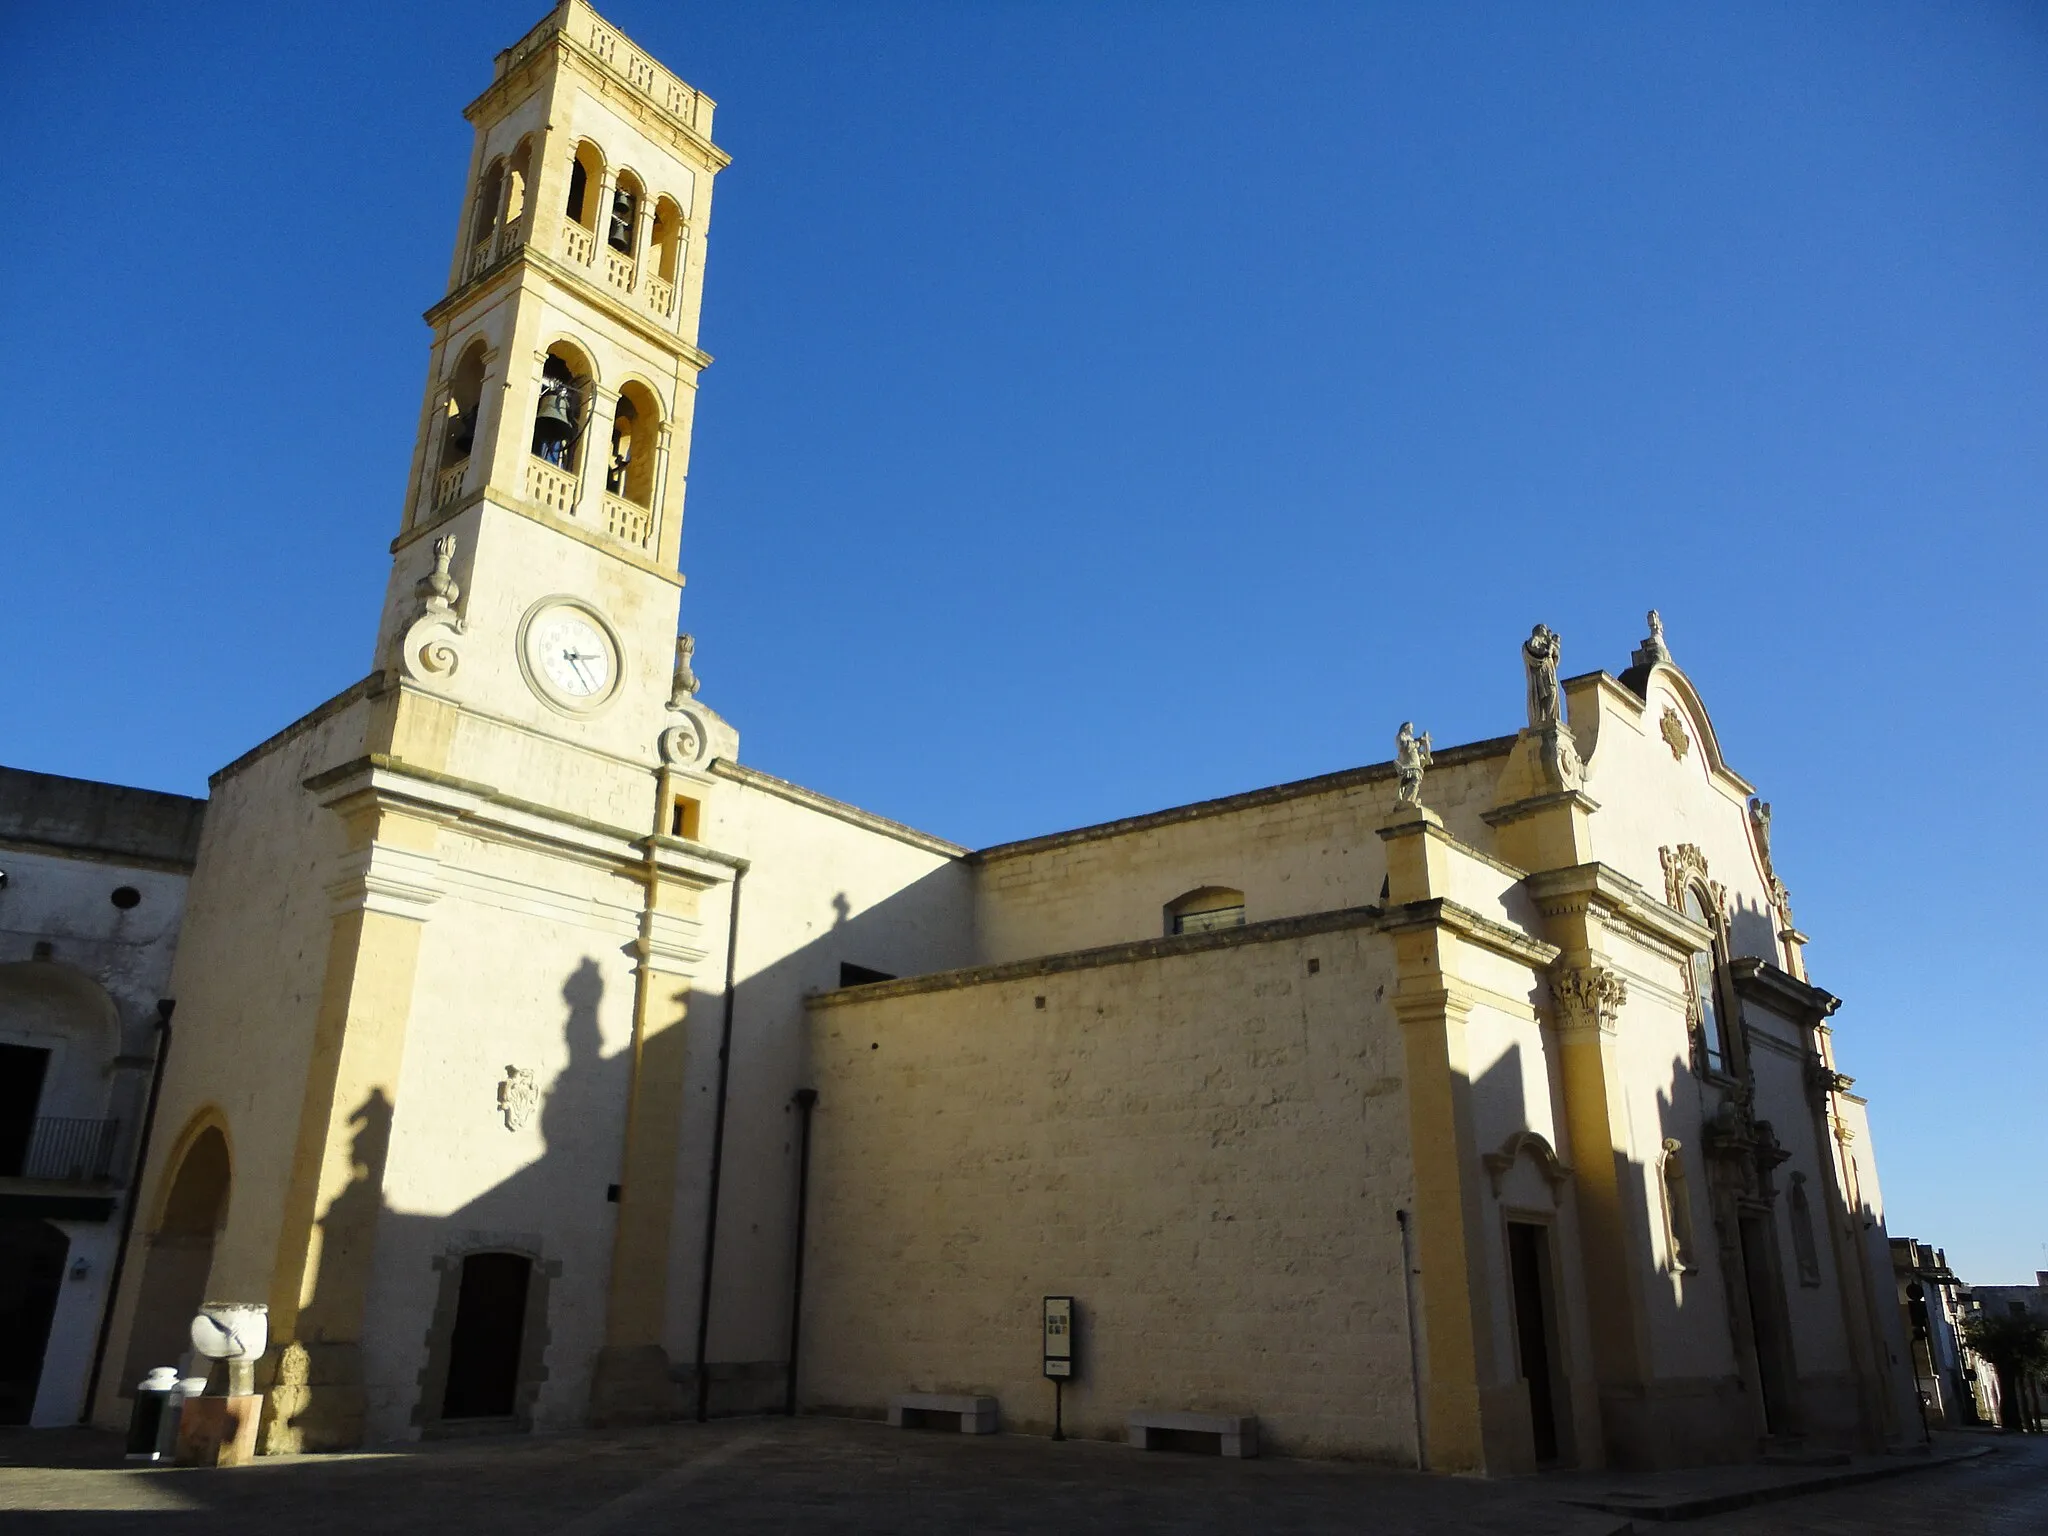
(534, 574)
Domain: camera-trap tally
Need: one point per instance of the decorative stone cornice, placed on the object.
(1589, 999)
(1606, 893)
(1781, 992)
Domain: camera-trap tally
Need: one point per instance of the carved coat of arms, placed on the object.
(518, 1097)
(1675, 738)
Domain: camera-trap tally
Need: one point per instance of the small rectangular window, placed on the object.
(683, 821)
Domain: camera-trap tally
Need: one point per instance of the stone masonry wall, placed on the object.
(1201, 1140)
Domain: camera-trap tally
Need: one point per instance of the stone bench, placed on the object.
(977, 1414)
(1154, 1430)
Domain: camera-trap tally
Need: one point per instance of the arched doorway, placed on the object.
(485, 1345)
(32, 1255)
(180, 1258)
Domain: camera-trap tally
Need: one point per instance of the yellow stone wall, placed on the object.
(1205, 1148)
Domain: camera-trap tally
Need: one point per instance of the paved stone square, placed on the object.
(820, 1476)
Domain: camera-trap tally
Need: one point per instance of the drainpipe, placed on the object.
(806, 1100)
(164, 1008)
(732, 950)
(1414, 1339)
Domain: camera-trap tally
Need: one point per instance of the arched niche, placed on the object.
(191, 1210)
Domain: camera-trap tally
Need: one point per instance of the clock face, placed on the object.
(570, 657)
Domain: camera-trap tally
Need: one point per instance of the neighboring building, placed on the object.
(2021, 1301)
(92, 887)
(1486, 1119)
(1933, 1304)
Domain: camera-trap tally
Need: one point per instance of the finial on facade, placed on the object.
(1411, 761)
(685, 685)
(437, 590)
(427, 652)
(1653, 649)
(1540, 653)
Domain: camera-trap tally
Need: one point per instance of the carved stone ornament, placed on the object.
(1672, 729)
(685, 686)
(1760, 823)
(289, 1397)
(1499, 1164)
(1653, 649)
(1411, 761)
(518, 1097)
(1540, 655)
(428, 651)
(1588, 997)
(1683, 866)
(684, 744)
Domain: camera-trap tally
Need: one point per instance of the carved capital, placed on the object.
(1589, 998)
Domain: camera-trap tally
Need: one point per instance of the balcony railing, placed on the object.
(511, 237)
(68, 1151)
(626, 522)
(618, 269)
(551, 486)
(576, 243)
(448, 484)
(660, 294)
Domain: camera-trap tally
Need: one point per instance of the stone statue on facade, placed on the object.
(1540, 653)
(1653, 649)
(685, 685)
(437, 590)
(1411, 761)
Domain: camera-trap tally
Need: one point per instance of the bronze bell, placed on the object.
(621, 236)
(555, 421)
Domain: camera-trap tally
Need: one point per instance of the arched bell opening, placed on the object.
(667, 238)
(562, 410)
(636, 421)
(180, 1257)
(623, 217)
(465, 397)
(586, 175)
(518, 173)
(483, 224)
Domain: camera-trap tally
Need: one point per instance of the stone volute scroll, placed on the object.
(429, 653)
(1411, 761)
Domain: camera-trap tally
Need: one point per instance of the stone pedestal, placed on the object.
(218, 1431)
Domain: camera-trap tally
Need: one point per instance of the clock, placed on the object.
(569, 655)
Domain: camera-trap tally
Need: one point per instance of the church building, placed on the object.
(538, 1064)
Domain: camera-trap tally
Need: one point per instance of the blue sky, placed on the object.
(1117, 406)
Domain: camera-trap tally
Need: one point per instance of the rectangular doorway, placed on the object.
(1535, 1335)
(22, 1068)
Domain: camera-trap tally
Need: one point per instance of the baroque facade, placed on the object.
(1472, 1110)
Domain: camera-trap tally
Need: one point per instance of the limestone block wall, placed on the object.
(251, 957)
(1202, 1140)
(525, 963)
(1292, 849)
(825, 885)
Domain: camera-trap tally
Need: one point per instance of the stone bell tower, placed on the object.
(477, 879)
(554, 439)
